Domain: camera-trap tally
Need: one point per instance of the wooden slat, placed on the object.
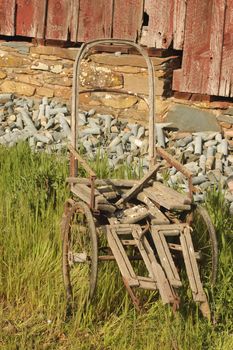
(179, 18)
(121, 256)
(84, 193)
(226, 78)
(7, 17)
(193, 77)
(155, 270)
(30, 18)
(157, 216)
(166, 197)
(137, 188)
(95, 19)
(58, 19)
(102, 182)
(165, 257)
(127, 19)
(147, 284)
(191, 266)
(143, 247)
(160, 26)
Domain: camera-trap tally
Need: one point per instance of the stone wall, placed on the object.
(29, 70)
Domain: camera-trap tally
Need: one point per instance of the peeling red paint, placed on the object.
(30, 18)
(7, 16)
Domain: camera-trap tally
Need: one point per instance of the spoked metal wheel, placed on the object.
(80, 254)
(205, 244)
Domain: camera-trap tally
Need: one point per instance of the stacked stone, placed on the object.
(29, 70)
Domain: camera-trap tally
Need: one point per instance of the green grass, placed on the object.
(32, 299)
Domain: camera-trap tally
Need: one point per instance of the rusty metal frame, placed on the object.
(173, 162)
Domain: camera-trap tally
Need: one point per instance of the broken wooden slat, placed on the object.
(108, 192)
(127, 19)
(7, 17)
(166, 197)
(180, 197)
(157, 216)
(137, 188)
(58, 19)
(106, 207)
(30, 18)
(165, 257)
(84, 193)
(95, 19)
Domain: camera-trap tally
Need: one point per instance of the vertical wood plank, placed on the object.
(127, 19)
(58, 19)
(7, 17)
(95, 19)
(193, 77)
(226, 79)
(216, 45)
(179, 18)
(160, 27)
(74, 20)
(30, 18)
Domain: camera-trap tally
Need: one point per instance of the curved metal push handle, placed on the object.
(75, 90)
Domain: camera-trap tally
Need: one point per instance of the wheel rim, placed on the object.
(79, 254)
(205, 244)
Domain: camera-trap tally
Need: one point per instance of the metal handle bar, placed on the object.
(151, 85)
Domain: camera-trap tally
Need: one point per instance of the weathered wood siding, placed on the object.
(207, 66)
(94, 21)
(30, 18)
